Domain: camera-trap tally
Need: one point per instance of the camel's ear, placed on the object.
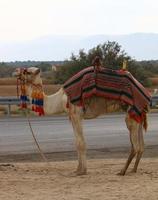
(16, 72)
(37, 71)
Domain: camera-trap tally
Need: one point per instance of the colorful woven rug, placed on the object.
(111, 84)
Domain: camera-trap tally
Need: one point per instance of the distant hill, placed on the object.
(31, 63)
(140, 46)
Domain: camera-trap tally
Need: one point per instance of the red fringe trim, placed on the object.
(137, 118)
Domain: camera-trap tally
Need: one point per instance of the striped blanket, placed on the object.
(112, 84)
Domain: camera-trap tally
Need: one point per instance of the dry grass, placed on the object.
(8, 87)
(51, 89)
(154, 81)
(8, 90)
(13, 81)
(7, 81)
(11, 90)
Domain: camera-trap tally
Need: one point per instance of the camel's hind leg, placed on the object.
(80, 142)
(137, 144)
(140, 150)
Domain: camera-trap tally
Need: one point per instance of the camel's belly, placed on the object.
(99, 106)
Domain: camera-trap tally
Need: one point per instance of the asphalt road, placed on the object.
(55, 133)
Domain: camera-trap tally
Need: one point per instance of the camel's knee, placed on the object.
(131, 124)
(133, 152)
(138, 150)
(128, 122)
(137, 146)
(81, 146)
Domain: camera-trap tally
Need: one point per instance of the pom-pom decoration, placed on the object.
(37, 101)
(23, 97)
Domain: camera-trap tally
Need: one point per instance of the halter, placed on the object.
(36, 95)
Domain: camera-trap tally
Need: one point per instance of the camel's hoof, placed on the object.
(121, 173)
(133, 171)
(80, 173)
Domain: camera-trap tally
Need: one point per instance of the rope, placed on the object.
(35, 140)
(41, 152)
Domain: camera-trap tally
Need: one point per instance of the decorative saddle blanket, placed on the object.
(111, 84)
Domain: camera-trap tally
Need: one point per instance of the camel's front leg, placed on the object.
(80, 143)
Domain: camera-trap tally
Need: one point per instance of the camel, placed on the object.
(95, 106)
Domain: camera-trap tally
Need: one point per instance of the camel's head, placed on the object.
(31, 75)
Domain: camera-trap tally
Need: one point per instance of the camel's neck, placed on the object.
(55, 104)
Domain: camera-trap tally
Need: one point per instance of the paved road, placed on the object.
(55, 133)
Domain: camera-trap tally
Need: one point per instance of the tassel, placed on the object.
(23, 97)
(33, 107)
(37, 102)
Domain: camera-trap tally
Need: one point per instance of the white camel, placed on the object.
(56, 103)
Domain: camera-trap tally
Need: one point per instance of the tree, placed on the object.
(5, 70)
(44, 66)
(110, 53)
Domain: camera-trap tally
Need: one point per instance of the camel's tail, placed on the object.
(145, 122)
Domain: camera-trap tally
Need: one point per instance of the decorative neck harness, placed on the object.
(37, 94)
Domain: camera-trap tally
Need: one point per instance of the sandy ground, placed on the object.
(30, 179)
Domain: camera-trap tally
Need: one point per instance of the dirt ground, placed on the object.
(39, 181)
(24, 177)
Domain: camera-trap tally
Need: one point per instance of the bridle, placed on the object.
(37, 92)
(37, 102)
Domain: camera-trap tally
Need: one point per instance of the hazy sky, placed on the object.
(28, 19)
